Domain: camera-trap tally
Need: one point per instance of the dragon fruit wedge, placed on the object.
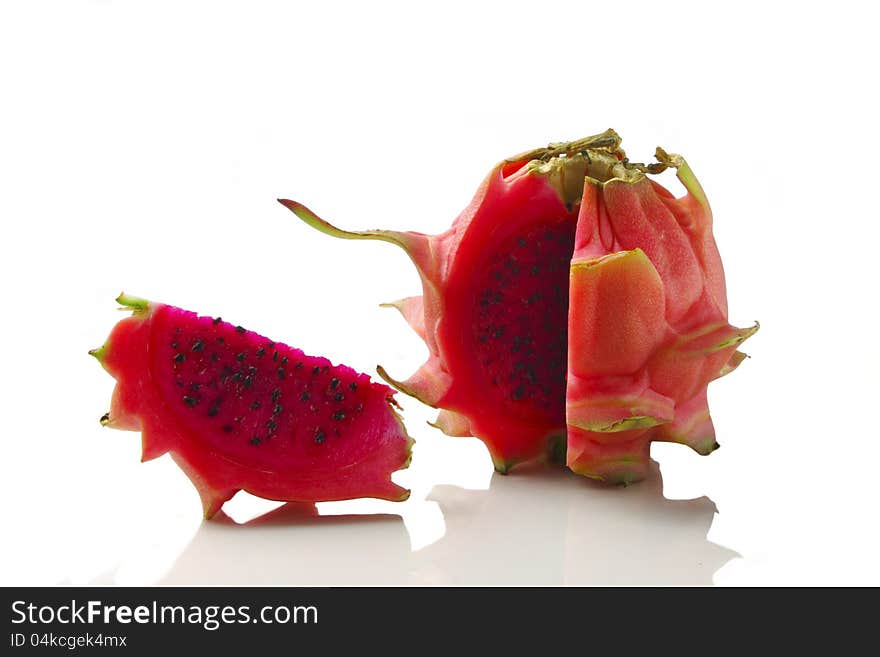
(575, 306)
(240, 412)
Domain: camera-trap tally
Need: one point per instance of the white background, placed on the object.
(143, 145)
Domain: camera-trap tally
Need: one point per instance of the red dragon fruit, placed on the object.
(536, 350)
(647, 324)
(240, 412)
(494, 305)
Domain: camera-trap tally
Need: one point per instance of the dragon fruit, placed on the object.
(240, 412)
(547, 333)
(494, 305)
(647, 324)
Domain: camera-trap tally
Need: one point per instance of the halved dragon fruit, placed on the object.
(537, 349)
(495, 304)
(238, 411)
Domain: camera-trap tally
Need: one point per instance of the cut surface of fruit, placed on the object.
(238, 411)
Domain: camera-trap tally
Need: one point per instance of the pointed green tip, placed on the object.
(130, 302)
(403, 240)
(314, 220)
(503, 467)
(394, 383)
(98, 354)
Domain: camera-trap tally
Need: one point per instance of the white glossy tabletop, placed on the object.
(143, 148)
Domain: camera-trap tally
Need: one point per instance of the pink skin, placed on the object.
(288, 467)
(648, 325)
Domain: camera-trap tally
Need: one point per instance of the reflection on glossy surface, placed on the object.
(294, 545)
(556, 528)
(535, 527)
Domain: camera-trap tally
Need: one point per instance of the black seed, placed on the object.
(334, 383)
(353, 385)
(237, 376)
(255, 404)
(498, 332)
(275, 356)
(239, 329)
(227, 428)
(255, 440)
(534, 270)
(179, 384)
(338, 397)
(260, 352)
(339, 415)
(281, 373)
(240, 356)
(284, 361)
(195, 386)
(305, 396)
(220, 340)
(215, 408)
(271, 345)
(277, 409)
(271, 425)
(299, 366)
(316, 370)
(190, 401)
(319, 436)
(198, 345)
(518, 393)
(215, 357)
(179, 358)
(248, 380)
(520, 242)
(276, 394)
(217, 320)
(174, 345)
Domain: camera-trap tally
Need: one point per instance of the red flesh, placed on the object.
(232, 428)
